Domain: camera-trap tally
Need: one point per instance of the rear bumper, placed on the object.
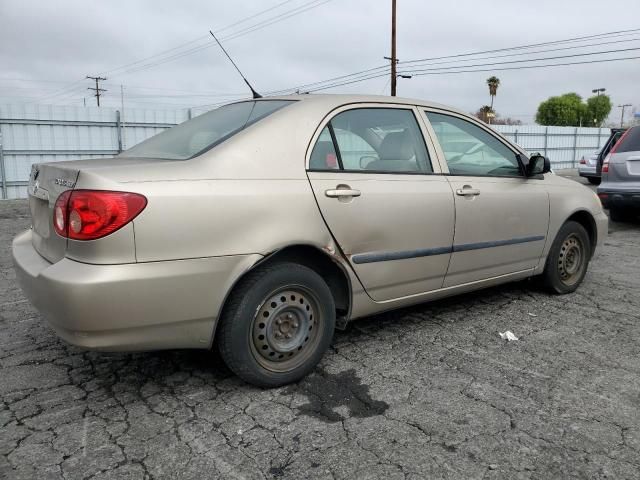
(619, 199)
(129, 307)
(587, 171)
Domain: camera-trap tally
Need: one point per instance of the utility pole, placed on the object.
(394, 59)
(124, 127)
(622, 115)
(97, 89)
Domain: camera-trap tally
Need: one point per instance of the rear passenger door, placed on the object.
(378, 187)
(502, 216)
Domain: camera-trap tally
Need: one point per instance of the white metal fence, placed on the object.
(563, 145)
(36, 133)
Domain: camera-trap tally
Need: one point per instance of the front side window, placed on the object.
(372, 140)
(202, 133)
(470, 150)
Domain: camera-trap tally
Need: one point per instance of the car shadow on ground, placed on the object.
(632, 223)
(162, 366)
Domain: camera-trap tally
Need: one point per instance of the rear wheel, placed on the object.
(618, 214)
(277, 324)
(594, 180)
(568, 259)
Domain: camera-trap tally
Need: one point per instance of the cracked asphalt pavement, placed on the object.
(426, 392)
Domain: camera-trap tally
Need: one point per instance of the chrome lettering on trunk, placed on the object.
(64, 183)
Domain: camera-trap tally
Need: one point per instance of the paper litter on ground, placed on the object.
(508, 335)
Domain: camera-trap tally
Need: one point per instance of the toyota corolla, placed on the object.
(260, 227)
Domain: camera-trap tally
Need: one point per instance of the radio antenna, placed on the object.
(253, 92)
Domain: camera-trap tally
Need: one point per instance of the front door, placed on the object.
(373, 179)
(502, 216)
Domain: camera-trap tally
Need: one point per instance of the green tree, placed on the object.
(567, 110)
(598, 109)
(493, 83)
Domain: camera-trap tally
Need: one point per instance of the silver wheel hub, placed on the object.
(284, 325)
(570, 259)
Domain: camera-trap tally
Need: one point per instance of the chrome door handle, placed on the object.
(468, 192)
(342, 192)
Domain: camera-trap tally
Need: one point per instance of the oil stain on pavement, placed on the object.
(328, 392)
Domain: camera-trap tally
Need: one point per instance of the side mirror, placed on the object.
(538, 165)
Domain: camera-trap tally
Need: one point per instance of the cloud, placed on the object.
(63, 41)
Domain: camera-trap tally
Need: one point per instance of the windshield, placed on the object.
(196, 136)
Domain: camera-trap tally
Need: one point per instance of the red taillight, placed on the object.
(93, 214)
(583, 161)
(605, 163)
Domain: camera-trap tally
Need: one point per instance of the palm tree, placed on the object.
(494, 83)
(485, 114)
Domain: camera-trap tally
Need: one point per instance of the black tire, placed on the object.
(568, 259)
(594, 180)
(618, 214)
(277, 324)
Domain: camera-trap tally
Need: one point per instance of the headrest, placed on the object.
(397, 146)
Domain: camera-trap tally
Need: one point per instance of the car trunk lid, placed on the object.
(632, 163)
(46, 183)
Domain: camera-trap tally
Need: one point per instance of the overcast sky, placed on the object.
(48, 47)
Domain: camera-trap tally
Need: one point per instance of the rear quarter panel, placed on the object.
(208, 218)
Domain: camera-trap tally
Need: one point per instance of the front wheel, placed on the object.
(568, 259)
(277, 324)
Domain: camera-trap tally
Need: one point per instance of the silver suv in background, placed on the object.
(591, 165)
(620, 187)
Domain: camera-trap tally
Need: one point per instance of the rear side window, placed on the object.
(324, 156)
(372, 140)
(630, 142)
(196, 136)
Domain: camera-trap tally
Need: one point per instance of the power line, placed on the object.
(375, 72)
(531, 45)
(265, 23)
(530, 53)
(442, 72)
(525, 60)
(72, 88)
(279, 18)
(524, 67)
(304, 87)
(204, 37)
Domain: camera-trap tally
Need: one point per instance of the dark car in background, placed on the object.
(590, 166)
(620, 187)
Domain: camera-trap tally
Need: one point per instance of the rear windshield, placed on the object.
(630, 142)
(196, 136)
